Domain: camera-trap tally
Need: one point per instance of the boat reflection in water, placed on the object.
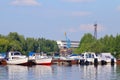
(40, 72)
(105, 72)
(17, 72)
(55, 72)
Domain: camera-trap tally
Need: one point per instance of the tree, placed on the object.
(14, 41)
(117, 46)
(86, 43)
(3, 44)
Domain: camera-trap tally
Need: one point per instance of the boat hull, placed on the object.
(43, 61)
(18, 61)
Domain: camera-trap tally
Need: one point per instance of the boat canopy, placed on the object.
(74, 54)
(2, 55)
(31, 53)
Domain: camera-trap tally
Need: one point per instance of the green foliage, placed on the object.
(14, 41)
(3, 44)
(86, 43)
(105, 44)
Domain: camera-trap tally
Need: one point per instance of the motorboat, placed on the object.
(93, 58)
(108, 58)
(89, 58)
(15, 57)
(74, 56)
(40, 59)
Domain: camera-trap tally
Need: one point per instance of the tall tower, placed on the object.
(95, 30)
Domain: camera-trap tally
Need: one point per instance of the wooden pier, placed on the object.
(69, 62)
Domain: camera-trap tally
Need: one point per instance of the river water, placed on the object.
(60, 72)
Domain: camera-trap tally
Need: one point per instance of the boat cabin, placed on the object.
(14, 55)
(88, 55)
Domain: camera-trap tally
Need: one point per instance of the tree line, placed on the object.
(14, 41)
(108, 43)
(88, 43)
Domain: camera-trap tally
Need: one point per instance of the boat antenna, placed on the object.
(95, 30)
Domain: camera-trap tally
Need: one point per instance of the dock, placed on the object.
(67, 61)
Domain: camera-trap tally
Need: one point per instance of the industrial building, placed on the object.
(63, 43)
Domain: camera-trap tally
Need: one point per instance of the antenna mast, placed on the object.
(95, 31)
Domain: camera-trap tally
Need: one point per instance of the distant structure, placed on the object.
(66, 46)
(95, 31)
(64, 49)
(67, 41)
(63, 43)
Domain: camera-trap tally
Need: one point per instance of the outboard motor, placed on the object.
(112, 61)
(103, 62)
(95, 61)
(82, 62)
(87, 62)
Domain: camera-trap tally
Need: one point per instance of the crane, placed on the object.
(67, 41)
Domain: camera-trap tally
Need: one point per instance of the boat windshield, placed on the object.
(17, 53)
(89, 55)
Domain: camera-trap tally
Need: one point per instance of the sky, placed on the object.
(50, 19)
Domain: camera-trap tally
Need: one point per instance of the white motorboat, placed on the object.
(108, 58)
(89, 57)
(40, 59)
(15, 57)
(102, 58)
(74, 57)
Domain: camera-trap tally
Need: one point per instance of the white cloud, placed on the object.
(25, 2)
(78, 0)
(118, 8)
(90, 27)
(82, 13)
(72, 30)
(85, 28)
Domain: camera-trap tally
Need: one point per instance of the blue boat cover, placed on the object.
(31, 53)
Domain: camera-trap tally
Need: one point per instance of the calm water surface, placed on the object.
(55, 72)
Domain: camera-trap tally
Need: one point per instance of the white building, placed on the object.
(63, 43)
